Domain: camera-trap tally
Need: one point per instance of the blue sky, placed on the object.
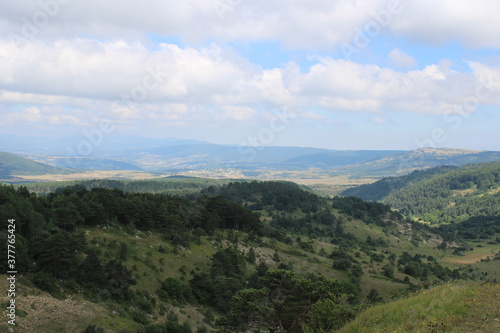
(344, 74)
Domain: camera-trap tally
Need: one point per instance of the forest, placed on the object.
(443, 195)
(243, 292)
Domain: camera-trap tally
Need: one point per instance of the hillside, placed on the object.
(461, 194)
(385, 186)
(460, 308)
(157, 262)
(439, 195)
(12, 165)
(423, 158)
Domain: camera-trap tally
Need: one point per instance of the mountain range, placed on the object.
(171, 154)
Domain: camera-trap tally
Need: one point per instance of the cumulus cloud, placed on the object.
(112, 70)
(128, 80)
(296, 23)
(289, 21)
(402, 59)
(472, 23)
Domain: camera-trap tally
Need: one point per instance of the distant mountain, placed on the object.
(107, 144)
(12, 165)
(423, 158)
(374, 163)
(276, 158)
(95, 164)
(172, 154)
(440, 195)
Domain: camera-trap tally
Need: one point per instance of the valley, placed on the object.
(377, 254)
(190, 250)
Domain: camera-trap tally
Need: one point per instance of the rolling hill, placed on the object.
(385, 186)
(135, 153)
(440, 195)
(143, 262)
(423, 158)
(12, 165)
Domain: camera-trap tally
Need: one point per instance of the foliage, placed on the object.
(385, 186)
(453, 197)
(286, 302)
(282, 196)
(224, 279)
(93, 329)
(370, 212)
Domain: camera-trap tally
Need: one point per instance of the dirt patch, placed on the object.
(468, 259)
(41, 313)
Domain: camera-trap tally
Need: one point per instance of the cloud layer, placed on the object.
(74, 62)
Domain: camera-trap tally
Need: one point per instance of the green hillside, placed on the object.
(459, 308)
(440, 195)
(456, 196)
(155, 262)
(13, 165)
(385, 186)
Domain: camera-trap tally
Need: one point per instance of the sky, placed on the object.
(337, 74)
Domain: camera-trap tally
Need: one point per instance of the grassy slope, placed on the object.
(11, 165)
(461, 307)
(150, 266)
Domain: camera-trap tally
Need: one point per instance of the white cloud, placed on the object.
(111, 70)
(289, 21)
(81, 79)
(43, 115)
(473, 23)
(319, 24)
(402, 59)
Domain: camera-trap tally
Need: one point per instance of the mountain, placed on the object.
(172, 154)
(12, 165)
(440, 195)
(100, 145)
(423, 158)
(84, 163)
(276, 158)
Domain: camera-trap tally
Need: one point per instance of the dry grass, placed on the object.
(95, 174)
(42, 313)
(459, 308)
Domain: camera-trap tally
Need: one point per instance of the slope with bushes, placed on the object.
(163, 263)
(440, 195)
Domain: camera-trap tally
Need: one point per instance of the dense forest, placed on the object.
(385, 186)
(442, 195)
(176, 185)
(452, 197)
(56, 254)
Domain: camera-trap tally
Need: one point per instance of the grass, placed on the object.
(471, 257)
(460, 307)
